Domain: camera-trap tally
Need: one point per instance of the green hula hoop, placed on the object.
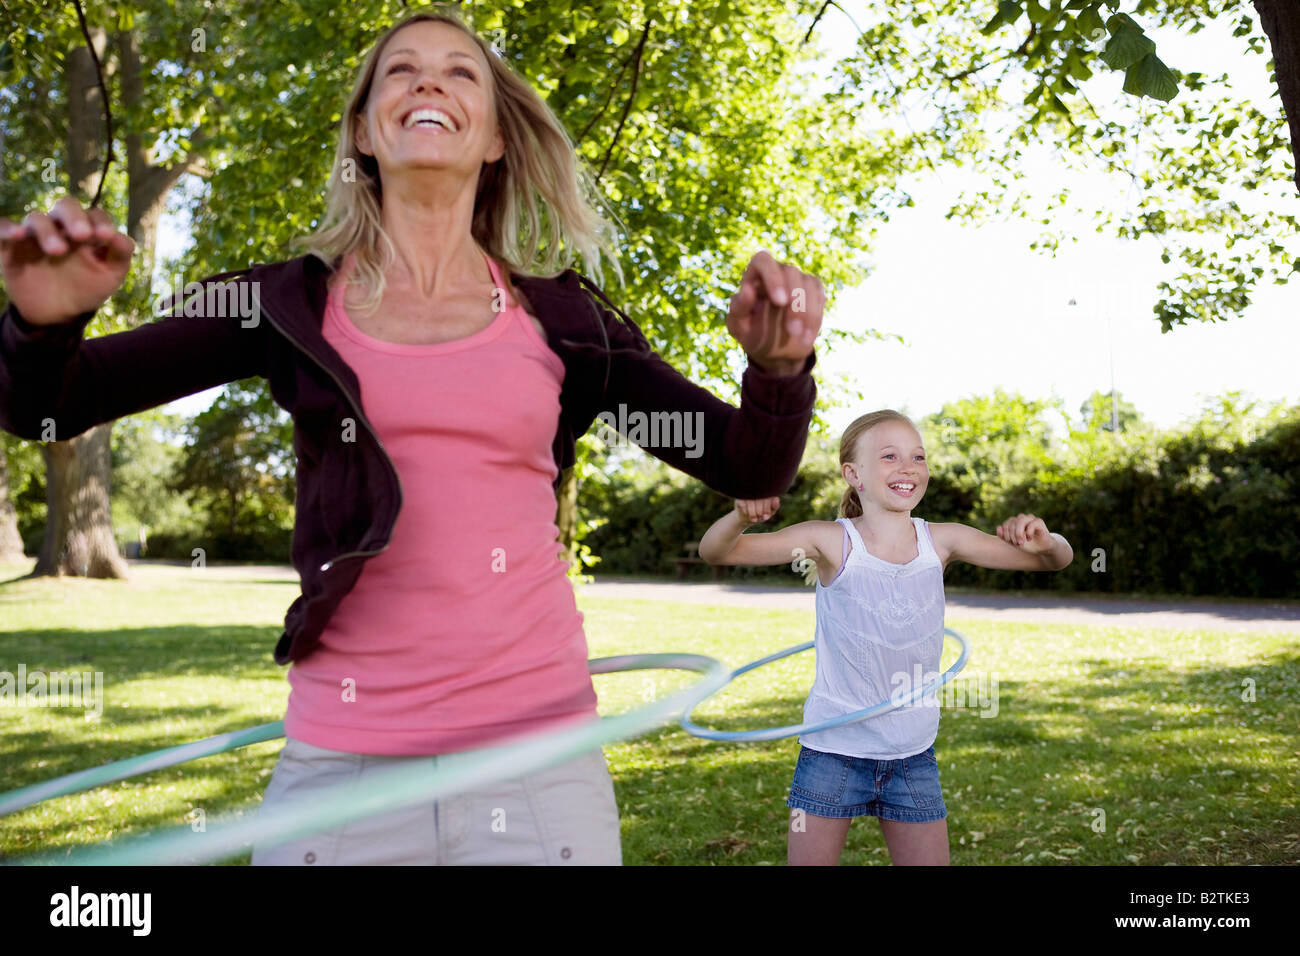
(397, 787)
(24, 797)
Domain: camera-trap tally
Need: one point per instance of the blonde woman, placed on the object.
(437, 380)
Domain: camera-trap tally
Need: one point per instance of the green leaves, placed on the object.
(1075, 66)
(1128, 49)
(1089, 22)
(1150, 77)
(1039, 15)
(1008, 12)
(1127, 45)
(1131, 50)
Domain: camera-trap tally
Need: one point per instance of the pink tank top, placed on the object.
(465, 629)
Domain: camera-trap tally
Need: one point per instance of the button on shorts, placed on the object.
(833, 785)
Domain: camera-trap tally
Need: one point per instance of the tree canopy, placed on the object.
(709, 132)
(714, 129)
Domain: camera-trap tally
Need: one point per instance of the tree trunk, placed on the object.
(11, 543)
(1281, 22)
(79, 537)
(85, 152)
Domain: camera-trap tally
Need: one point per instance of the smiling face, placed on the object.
(430, 104)
(890, 466)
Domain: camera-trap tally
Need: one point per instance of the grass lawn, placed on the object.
(1108, 746)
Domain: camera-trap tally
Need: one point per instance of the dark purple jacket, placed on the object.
(349, 493)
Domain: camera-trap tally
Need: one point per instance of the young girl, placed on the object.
(880, 613)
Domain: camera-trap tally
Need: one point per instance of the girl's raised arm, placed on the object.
(726, 543)
(1023, 543)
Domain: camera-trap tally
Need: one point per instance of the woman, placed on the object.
(436, 614)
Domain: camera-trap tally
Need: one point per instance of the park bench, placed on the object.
(692, 552)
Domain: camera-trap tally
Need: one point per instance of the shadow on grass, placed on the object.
(1183, 768)
(126, 727)
(223, 783)
(220, 783)
(136, 653)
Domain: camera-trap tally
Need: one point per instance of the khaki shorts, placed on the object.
(562, 816)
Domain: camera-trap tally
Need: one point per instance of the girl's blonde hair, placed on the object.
(850, 503)
(534, 210)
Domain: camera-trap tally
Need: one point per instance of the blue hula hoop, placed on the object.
(341, 803)
(793, 730)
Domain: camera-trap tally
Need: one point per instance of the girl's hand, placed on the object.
(758, 509)
(60, 264)
(1028, 533)
(776, 314)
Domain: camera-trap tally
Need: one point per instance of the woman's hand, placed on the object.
(60, 264)
(776, 314)
(1028, 533)
(758, 509)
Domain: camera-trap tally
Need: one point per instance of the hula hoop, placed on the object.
(792, 730)
(24, 797)
(390, 790)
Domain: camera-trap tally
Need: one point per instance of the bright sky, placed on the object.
(978, 309)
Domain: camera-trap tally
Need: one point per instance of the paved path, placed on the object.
(1198, 614)
(1191, 614)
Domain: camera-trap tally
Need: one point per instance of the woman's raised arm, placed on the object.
(748, 452)
(58, 269)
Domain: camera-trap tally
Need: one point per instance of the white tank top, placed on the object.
(879, 633)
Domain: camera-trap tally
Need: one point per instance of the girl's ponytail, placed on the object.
(850, 504)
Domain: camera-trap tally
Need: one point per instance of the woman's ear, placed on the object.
(361, 135)
(497, 149)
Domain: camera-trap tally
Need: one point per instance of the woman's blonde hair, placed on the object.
(850, 503)
(534, 210)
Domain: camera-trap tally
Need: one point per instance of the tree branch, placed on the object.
(829, 3)
(817, 19)
(613, 88)
(627, 107)
(108, 111)
(1018, 51)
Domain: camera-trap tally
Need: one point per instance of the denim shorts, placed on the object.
(833, 785)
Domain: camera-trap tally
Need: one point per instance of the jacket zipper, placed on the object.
(361, 415)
